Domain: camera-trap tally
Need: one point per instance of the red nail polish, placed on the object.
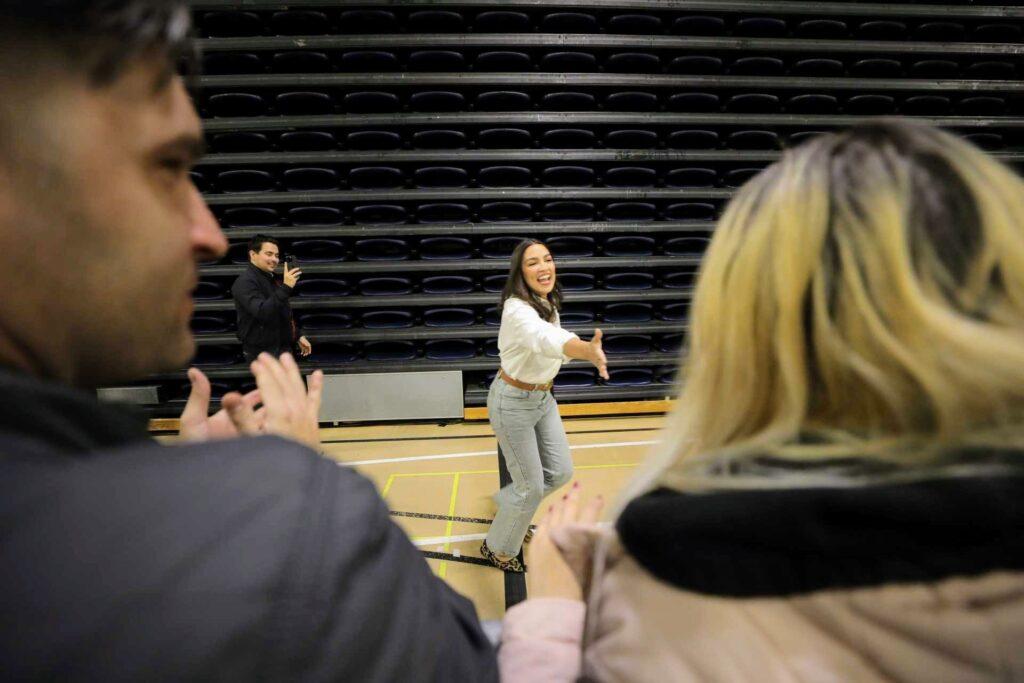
(565, 497)
(575, 484)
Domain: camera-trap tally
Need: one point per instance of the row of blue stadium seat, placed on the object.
(320, 103)
(631, 61)
(435, 349)
(330, 250)
(220, 322)
(395, 285)
(320, 178)
(449, 212)
(354, 21)
(520, 138)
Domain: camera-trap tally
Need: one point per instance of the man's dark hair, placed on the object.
(257, 241)
(96, 37)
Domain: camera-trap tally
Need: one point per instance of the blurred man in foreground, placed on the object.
(120, 559)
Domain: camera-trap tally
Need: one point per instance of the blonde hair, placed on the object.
(866, 289)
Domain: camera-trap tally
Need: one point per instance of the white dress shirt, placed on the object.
(529, 346)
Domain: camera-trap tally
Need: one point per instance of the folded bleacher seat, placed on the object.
(445, 248)
(209, 322)
(315, 215)
(435, 21)
(502, 212)
(629, 377)
(324, 320)
(447, 284)
(299, 23)
(575, 378)
(373, 139)
(250, 217)
(567, 176)
(335, 352)
(301, 62)
(568, 211)
(449, 317)
(307, 141)
(367, 21)
(450, 349)
(236, 104)
(568, 62)
(628, 312)
(629, 245)
(504, 176)
(499, 247)
(385, 286)
(322, 287)
(569, 22)
(387, 319)
(571, 246)
(318, 250)
(371, 102)
(629, 280)
(576, 282)
(439, 139)
(437, 101)
(501, 21)
(305, 103)
(382, 249)
(630, 176)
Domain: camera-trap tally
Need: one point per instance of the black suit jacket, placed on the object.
(264, 314)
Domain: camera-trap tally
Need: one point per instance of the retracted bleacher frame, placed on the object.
(452, 121)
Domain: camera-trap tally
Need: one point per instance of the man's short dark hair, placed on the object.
(257, 242)
(97, 37)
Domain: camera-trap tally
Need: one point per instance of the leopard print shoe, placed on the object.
(513, 565)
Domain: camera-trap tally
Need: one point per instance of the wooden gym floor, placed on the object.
(451, 471)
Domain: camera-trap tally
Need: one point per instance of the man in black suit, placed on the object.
(265, 320)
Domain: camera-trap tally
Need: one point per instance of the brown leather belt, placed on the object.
(523, 385)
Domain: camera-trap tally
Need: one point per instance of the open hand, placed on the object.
(549, 575)
(292, 409)
(238, 415)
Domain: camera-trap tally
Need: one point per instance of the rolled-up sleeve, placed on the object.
(536, 334)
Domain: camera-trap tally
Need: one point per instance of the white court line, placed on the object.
(441, 540)
(471, 454)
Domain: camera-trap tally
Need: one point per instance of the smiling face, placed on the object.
(538, 268)
(267, 258)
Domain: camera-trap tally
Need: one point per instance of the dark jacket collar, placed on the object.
(63, 418)
(260, 273)
(964, 517)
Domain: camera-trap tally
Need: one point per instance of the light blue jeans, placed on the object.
(536, 452)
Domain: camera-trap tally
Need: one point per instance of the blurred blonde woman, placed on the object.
(839, 495)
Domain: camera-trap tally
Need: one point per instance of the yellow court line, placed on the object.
(387, 486)
(461, 472)
(442, 570)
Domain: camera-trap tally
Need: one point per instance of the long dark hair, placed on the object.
(516, 285)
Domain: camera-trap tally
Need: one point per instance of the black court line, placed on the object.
(515, 584)
(483, 436)
(427, 515)
(433, 555)
(446, 518)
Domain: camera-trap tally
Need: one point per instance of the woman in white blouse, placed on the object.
(521, 409)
